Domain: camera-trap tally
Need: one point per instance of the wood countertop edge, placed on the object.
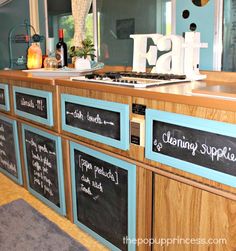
(203, 101)
(217, 78)
(18, 75)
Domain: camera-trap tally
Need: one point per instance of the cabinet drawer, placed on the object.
(98, 120)
(33, 104)
(4, 97)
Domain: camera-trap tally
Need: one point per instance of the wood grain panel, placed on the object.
(220, 76)
(144, 206)
(195, 111)
(182, 211)
(136, 152)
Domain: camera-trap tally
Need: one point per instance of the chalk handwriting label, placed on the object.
(207, 149)
(103, 122)
(102, 197)
(31, 104)
(2, 97)
(7, 146)
(95, 173)
(90, 118)
(42, 165)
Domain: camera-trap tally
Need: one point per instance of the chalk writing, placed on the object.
(77, 114)
(2, 128)
(42, 165)
(101, 195)
(93, 119)
(31, 104)
(87, 166)
(24, 102)
(215, 153)
(2, 96)
(7, 148)
(207, 149)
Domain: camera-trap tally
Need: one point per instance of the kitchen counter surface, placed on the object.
(217, 91)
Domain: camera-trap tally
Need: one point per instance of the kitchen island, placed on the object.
(155, 162)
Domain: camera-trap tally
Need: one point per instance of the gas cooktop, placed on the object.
(132, 79)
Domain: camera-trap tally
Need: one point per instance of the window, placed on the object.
(119, 19)
(116, 21)
(60, 16)
(66, 22)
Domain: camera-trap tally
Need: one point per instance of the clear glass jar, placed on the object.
(50, 63)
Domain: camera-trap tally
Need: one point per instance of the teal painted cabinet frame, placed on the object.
(205, 125)
(60, 172)
(37, 93)
(131, 194)
(17, 152)
(6, 106)
(123, 109)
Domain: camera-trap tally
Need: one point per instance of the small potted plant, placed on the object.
(83, 55)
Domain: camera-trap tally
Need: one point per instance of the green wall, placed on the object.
(11, 15)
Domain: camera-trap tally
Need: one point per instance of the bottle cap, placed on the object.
(60, 33)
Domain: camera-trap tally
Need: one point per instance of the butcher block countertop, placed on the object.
(218, 90)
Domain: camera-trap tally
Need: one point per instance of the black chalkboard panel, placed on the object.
(207, 149)
(31, 104)
(102, 197)
(99, 121)
(2, 97)
(8, 160)
(42, 165)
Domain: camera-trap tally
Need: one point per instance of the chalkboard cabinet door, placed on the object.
(102, 121)
(33, 104)
(4, 97)
(44, 168)
(203, 147)
(104, 196)
(10, 163)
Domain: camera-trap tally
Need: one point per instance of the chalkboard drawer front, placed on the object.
(33, 104)
(102, 121)
(9, 149)
(44, 168)
(203, 147)
(4, 97)
(104, 196)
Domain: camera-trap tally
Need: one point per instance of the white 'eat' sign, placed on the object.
(182, 56)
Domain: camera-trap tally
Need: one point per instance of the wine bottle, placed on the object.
(61, 50)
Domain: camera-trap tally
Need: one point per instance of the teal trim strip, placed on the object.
(17, 152)
(123, 109)
(131, 193)
(38, 93)
(5, 107)
(191, 122)
(62, 208)
(206, 27)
